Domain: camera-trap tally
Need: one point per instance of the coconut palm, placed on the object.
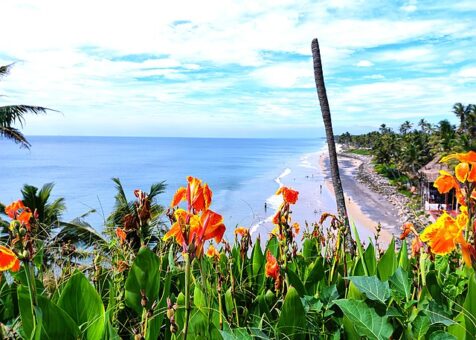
(50, 230)
(14, 114)
(326, 116)
(462, 113)
(137, 218)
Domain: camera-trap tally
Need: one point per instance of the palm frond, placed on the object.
(4, 70)
(14, 135)
(78, 231)
(12, 114)
(156, 189)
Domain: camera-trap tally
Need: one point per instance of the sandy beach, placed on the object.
(311, 177)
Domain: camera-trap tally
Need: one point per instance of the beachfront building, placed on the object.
(432, 200)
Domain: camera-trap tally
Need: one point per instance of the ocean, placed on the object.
(243, 173)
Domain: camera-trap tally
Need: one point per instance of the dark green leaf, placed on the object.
(388, 263)
(365, 320)
(292, 320)
(144, 275)
(84, 305)
(373, 288)
(400, 283)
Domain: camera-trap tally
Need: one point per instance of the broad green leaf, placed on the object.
(469, 310)
(388, 263)
(403, 256)
(309, 250)
(258, 264)
(438, 314)
(315, 273)
(84, 305)
(420, 326)
(55, 322)
(373, 288)
(144, 275)
(272, 246)
(236, 334)
(366, 321)
(329, 294)
(292, 320)
(434, 288)
(400, 283)
(441, 335)
(370, 259)
(295, 281)
(459, 328)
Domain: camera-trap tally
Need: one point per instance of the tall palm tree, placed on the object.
(326, 116)
(461, 112)
(12, 114)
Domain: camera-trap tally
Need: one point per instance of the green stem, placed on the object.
(30, 278)
(187, 295)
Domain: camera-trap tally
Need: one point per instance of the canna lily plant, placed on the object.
(449, 232)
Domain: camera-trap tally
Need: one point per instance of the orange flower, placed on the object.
(201, 228)
(441, 235)
(121, 234)
(241, 231)
(297, 228)
(445, 182)
(213, 252)
(14, 209)
(407, 228)
(289, 195)
(472, 174)
(198, 196)
(468, 157)
(461, 171)
(271, 267)
(8, 260)
(18, 211)
(416, 246)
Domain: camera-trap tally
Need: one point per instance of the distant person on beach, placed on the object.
(265, 206)
(320, 188)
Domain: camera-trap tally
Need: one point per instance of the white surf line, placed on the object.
(273, 201)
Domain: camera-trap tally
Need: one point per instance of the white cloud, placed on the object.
(364, 63)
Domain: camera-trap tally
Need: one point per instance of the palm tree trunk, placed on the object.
(326, 116)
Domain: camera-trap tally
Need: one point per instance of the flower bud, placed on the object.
(22, 231)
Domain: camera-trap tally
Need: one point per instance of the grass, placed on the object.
(364, 152)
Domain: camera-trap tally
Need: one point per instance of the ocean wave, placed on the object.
(273, 201)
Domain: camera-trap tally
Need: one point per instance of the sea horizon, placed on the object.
(242, 172)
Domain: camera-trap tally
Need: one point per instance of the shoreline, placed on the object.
(312, 179)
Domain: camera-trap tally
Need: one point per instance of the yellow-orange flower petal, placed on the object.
(8, 259)
(195, 194)
(407, 228)
(445, 182)
(121, 234)
(14, 209)
(241, 231)
(207, 196)
(466, 252)
(461, 171)
(212, 251)
(213, 227)
(271, 266)
(297, 228)
(472, 174)
(468, 157)
(179, 196)
(442, 235)
(289, 195)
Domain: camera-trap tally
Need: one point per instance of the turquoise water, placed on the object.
(241, 172)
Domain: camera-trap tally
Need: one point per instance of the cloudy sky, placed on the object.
(235, 68)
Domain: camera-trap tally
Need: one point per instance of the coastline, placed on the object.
(311, 178)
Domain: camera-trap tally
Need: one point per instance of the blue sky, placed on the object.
(235, 68)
